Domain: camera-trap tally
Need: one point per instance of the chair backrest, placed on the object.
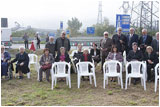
(111, 66)
(135, 66)
(33, 58)
(60, 67)
(83, 67)
(157, 70)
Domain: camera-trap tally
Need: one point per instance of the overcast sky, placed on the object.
(48, 13)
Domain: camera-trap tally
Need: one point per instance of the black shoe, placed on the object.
(20, 77)
(40, 80)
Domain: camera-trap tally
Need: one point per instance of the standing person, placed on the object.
(38, 41)
(46, 61)
(132, 37)
(26, 37)
(22, 60)
(151, 58)
(95, 53)
(155, 44)
(47, 38)
(51, 46)
(144, 41)
(120, 40)
(105, 47)
(62, 42)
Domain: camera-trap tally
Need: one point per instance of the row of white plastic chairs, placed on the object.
(109, 69)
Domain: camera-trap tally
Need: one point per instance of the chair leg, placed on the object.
(107, 80)
(144, 84)
(126, 83)
(155, 84)
(104, 80)
(142, 81)
(69, 80)
(52, 83)
(28, 75)
(79, 79)
(129, 81)
(90, 79)
(94, 76)
(118, 80)
(121, 82)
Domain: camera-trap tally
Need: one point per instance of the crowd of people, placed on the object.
(140, 48)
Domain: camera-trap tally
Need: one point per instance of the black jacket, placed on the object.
(116, 41)
(51, 48)
(153, 57)
(88, 57)
(134, 38)
(135, 56)
(67, 58)
(78, 55)
(97, 52)
(147, 42)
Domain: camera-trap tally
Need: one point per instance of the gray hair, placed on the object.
(21, 47)
(51, 37)
(132, 28)
(63, 32)
(157, 33)
(144, 30)
(105, 33)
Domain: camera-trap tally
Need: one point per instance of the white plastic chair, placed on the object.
(136, 72)
(110, 70)
(33, 60)
(58, 71)
(83, 70)
(156, 76)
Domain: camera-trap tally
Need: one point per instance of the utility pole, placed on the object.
(99, 18)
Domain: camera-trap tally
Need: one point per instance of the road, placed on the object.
(16, 46)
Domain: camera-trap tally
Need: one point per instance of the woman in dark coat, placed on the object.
(151, 58)
(95, 53)
(22, 60)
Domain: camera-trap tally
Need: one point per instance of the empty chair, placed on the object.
(33, 60)
(110, 70)
(83, 70)
(156, 76)
(59, 70)
(136, 72)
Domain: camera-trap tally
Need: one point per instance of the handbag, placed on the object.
(46, 66)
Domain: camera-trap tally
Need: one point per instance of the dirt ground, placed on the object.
(30, 92)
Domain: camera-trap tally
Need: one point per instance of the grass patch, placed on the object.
(110, 93)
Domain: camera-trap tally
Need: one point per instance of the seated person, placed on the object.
(95, 53)
(115, 55)
(22, 60)
(134, 55)
(77, 55)
(5, 57)
(152, 59)
(63, 56)
(46, 61)
(86, 57)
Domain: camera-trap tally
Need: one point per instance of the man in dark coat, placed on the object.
(132, 37)
(105, 48)
(155, 44)
(51, 46)
(120, 40)
(62, 42)
(145, 40)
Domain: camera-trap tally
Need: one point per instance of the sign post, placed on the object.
(123, 21)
